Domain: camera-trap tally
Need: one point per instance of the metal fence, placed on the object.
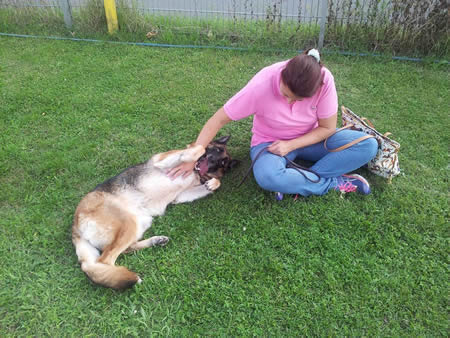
(304, 10)
(243, 9)
(372, 25)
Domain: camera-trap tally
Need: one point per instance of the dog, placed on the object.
(113, 217)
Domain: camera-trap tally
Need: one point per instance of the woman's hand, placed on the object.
(184, 170)
(209, 130)
(280, 148)
(326, 128)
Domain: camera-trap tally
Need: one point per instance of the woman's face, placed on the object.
(288, 94)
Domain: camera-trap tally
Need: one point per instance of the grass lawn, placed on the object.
(239, 263)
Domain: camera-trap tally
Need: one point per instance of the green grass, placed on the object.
(239, 263)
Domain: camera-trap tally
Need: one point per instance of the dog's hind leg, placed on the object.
(124, 237)
(147, 243)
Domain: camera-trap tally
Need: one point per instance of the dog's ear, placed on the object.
(223, 140)
(232, 164)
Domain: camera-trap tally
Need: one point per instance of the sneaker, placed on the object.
(352, 183)
(279, 196)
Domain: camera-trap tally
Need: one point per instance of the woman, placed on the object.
(295, 105)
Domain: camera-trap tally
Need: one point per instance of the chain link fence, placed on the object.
(410, 27)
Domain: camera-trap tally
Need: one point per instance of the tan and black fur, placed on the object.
(113, 217)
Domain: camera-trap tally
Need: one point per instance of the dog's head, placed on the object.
(215, 161)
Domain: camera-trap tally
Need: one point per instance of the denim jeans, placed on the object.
(271, 173)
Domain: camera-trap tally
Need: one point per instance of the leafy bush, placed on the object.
(395, 26)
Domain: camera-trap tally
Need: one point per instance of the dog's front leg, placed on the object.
(198, 191)
(173, 158)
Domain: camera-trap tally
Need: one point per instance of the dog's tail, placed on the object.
(116, 277)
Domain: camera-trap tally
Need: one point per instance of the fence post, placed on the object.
(323, 20)
(65, 6)
(111, 15)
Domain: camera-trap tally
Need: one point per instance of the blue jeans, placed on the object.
(271, 173)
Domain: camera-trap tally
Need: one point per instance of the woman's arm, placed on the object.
(326, 128)
(212, 127)
(207, 134)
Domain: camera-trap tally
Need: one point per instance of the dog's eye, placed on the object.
(224, 162)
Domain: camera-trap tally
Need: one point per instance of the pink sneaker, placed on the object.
(352, 183)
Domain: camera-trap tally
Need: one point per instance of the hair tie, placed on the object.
(315, 54)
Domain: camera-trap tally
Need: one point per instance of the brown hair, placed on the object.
(302, 75)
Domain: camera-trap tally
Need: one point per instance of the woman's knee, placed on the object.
(370, 147)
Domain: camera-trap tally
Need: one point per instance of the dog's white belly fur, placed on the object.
(158, 192)
(136, 205)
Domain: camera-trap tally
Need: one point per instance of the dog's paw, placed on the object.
(161, 240)
(192, 153)
(212, 184)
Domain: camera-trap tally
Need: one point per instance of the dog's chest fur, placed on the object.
(156, 190)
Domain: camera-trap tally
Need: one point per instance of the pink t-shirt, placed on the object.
(274, 118)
